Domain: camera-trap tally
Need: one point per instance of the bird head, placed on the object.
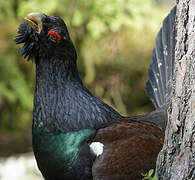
(44, 37)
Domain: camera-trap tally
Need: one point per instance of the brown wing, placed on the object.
(130, 148)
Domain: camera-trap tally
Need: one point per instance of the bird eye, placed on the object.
(54, 36)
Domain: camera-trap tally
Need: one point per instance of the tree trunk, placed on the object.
(176, 161)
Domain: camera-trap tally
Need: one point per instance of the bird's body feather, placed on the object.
(130, 149)
(68, 121)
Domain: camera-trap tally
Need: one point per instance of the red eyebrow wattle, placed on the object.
(57, 35)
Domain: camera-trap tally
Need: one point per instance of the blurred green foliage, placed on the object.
(114, 41)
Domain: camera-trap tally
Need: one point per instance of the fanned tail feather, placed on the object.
(160, 74)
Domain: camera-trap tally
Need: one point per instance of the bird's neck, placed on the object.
(56, 71)
(53, 77)
(62, 103)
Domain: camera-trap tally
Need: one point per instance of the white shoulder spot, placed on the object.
(97, 148)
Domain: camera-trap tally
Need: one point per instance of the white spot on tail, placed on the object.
(159, 65)
(97, 148)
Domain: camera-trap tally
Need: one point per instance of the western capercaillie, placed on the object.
(76, 136)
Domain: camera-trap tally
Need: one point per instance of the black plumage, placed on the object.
(67, 118)
(159, 84)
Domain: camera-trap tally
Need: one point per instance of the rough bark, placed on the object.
(176, 161)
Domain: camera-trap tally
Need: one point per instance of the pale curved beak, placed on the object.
(35, 20)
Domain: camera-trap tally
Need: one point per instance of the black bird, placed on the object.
(75, 135)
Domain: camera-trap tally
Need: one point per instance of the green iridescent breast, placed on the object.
(59, 150)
